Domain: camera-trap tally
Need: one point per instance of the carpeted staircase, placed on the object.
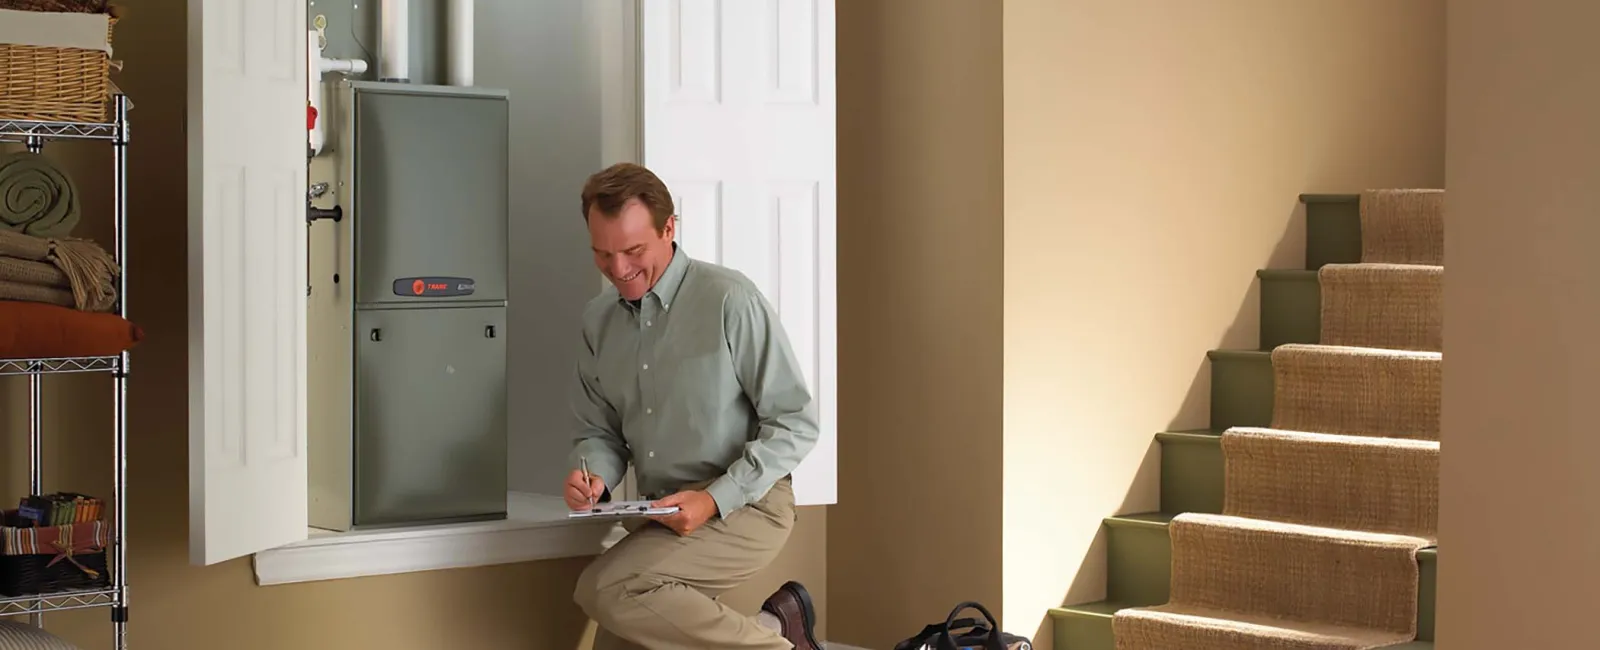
(1306, 517)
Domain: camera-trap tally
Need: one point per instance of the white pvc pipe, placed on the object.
(316, 67)
(314, 91)
(344, 66)
(460, 39)
(394, 62)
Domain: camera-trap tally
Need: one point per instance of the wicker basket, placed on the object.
(55, 84)
(54, 571)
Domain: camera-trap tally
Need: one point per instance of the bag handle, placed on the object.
(990, 642)
(931, 632)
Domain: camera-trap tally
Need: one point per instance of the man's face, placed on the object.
(628, 250)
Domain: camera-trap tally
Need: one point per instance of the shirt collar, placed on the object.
(666, 286)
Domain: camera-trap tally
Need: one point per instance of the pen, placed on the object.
(588, 483)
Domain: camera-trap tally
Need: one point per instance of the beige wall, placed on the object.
(917, 527)
(176, 606)
(1153, 155)
(1518, 558)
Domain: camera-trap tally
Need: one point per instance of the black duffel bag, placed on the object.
(965, 634)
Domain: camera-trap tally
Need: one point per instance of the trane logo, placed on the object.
(434, 286)
(419, 287)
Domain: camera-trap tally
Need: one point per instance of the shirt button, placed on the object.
(648, 323)
(652, 454)
(649, 411)
(647, 366)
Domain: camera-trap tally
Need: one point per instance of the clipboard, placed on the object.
(620, 509)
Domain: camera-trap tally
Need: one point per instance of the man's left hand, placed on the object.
(695, 508)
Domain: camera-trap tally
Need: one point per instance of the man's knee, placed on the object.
(604, 589)
(587, 592)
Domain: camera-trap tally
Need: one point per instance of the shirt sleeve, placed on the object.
(775, 384)
(598, 436)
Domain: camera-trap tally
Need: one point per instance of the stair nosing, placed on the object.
(1190, 437)
(1157, 519)
(1239, 355)
(1146, 520)
(1299, 275)
(1314, 197)
(1079, 610)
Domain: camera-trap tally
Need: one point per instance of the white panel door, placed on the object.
(738, 119)
(247, 281)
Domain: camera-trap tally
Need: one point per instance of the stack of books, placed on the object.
(59, 509)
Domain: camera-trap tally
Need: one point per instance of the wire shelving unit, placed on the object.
(35, 135)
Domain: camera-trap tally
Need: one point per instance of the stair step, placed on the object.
(1242, 383)
(1088, 627)
(1139, 573)
(1333, 229)
(1193, 471)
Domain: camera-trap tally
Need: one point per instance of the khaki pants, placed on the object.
(656, 589)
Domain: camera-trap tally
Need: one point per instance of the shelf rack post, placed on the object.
(119, 380)
(36, 429)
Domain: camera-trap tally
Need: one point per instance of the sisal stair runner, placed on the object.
(1356, 391)
(1324, 511)
(1402, 227)
(1381, 485)
(1394, 306)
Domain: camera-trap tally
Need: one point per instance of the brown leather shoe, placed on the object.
(791, 604)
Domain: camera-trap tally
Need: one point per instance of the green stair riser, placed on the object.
(1291, 307)
(1333, 229)
(1428, 594)
(1191, 472)
(1138, 562)
(1241, 389)
(1083, 632)
(1139, 573)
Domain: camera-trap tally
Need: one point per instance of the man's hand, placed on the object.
(695, 508)
(580, 493)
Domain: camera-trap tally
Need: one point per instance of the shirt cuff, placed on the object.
(728, 495)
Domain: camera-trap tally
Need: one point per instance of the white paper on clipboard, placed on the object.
(616, 509)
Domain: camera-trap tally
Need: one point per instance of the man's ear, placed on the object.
(670, 230)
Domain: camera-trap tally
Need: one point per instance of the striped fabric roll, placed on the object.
(17, 635)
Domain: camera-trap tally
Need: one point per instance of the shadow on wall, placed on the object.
(1243, 333)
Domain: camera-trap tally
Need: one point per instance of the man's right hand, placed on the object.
(580, 493)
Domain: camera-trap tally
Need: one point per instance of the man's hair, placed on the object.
(611, 187)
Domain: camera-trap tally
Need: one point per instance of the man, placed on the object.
(687, 374)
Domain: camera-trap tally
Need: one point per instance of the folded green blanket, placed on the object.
(36, 197)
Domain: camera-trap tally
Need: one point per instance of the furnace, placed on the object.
(407, 304)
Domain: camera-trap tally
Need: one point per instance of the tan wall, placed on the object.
(917, 528)
(1518, 560)
(176, 606)
(1153, 155)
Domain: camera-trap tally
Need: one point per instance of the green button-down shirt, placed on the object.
(697, 382)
